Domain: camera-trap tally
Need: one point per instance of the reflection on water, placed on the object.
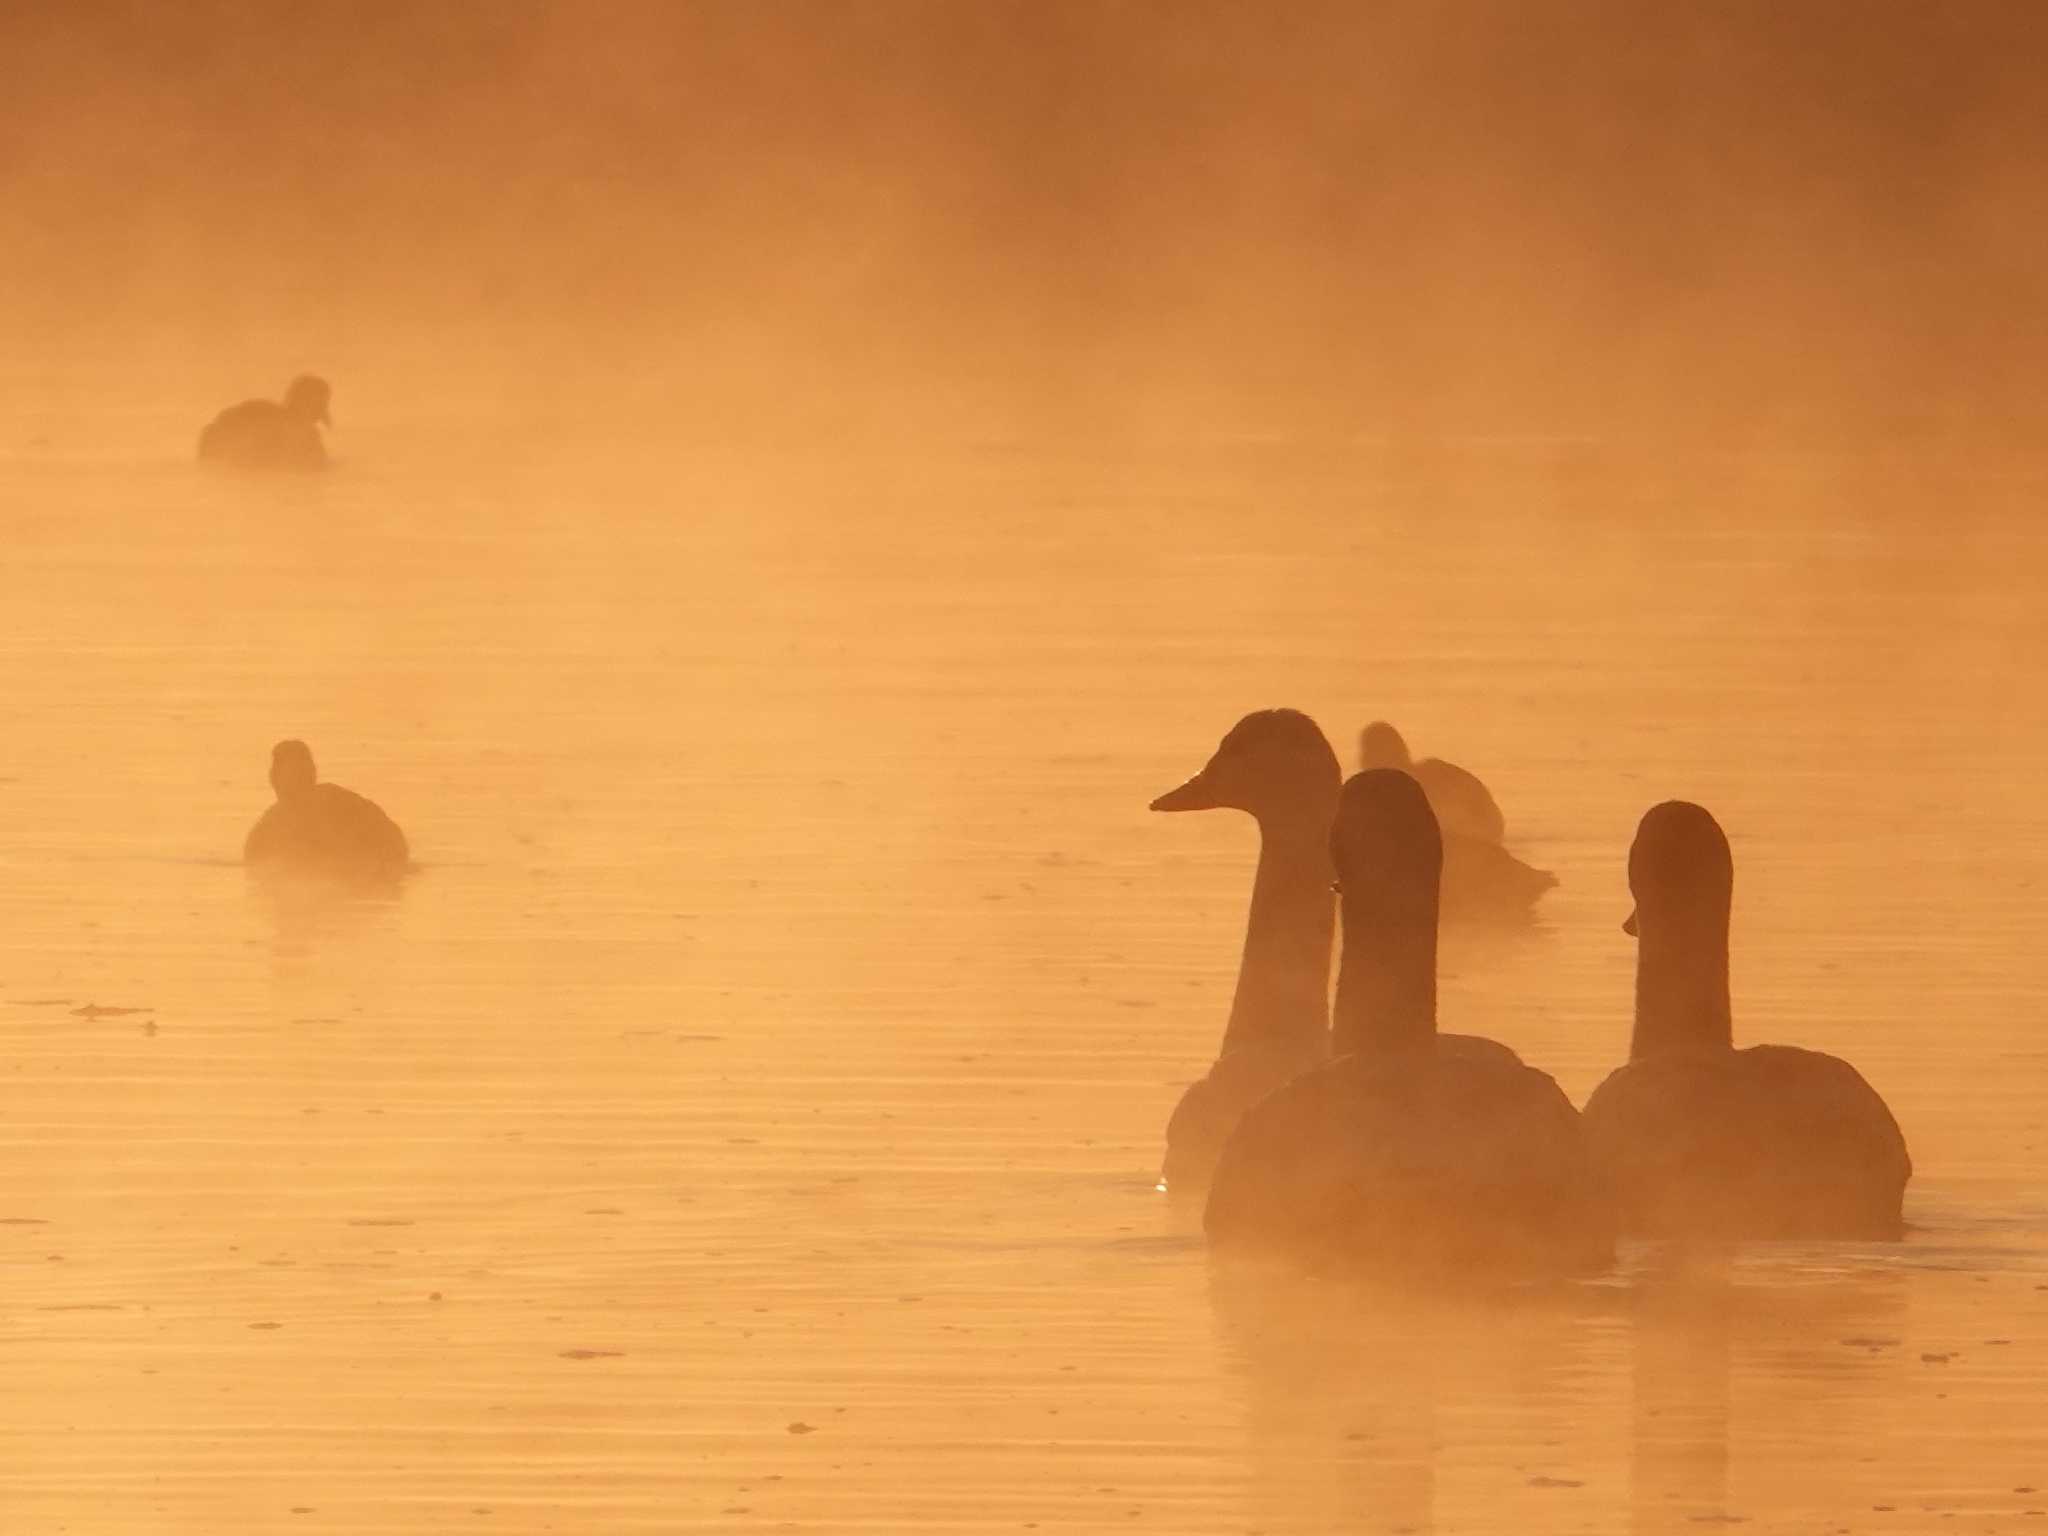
(1679, 1470)
(748, 1113)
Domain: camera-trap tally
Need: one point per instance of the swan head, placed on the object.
(1387, 849)
(308, 398)
(291, 769)
(1679, 868)
(1381, 746)
(1272, 762)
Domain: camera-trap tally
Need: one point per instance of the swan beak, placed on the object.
(1628, 925)
(1195, 795)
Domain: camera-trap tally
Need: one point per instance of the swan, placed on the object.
(1464, 806)
(1481, 879)
(1483, 882)
(1696, 1137)
(267, 434)
(1410, 1150)
(322, 829)
(1276, 765)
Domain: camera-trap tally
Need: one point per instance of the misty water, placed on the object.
(747, 1116)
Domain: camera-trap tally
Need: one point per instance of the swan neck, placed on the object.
(1682, 990)
(1283, 981)
(1386, 987)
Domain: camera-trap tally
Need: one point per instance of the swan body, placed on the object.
(1277, 766)
(270, 434)
(322, 829)
(1767, 1142)
(1481, 879)
(1215, 1102)
(1697, 1138)
(1464, 806)
(1429, 1159)
(1409, 1150)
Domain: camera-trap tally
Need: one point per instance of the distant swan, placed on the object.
(1481, 879)
(1276, 765)
(1696, 1137)
(1464, 806)
(1484, 882)
(264, 434)
(1410, 1150)
(322, 829)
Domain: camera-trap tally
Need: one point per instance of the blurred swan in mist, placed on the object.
(267, 434)
(1464, 806)
(1696, 1137)
(1411, 1150)
(322, 829)
(1481, 879)
(1277, 766)
(1483, 882)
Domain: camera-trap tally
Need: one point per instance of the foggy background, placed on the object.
(806, 476)
(1578, 215)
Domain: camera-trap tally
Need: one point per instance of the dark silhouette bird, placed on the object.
(1464, 806)
(1485, 883)
(322, 829)
(1482, 881)
(1410, 1151)
(1277, 766)
(268, 434)
(1696, 1137)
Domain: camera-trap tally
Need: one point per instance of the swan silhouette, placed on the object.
(268, 434)
(1464, 806)
(1410, 1150)
(1696, 1137)
(1483, 882)
(322, 829)
(1481, 879)
(1277, 766)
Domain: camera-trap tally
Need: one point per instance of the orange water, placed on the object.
(747, 1117)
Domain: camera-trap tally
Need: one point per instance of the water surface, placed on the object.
(746, 1118)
